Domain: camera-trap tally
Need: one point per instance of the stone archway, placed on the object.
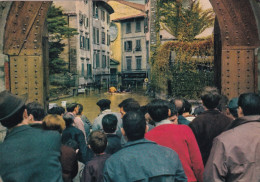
(238, 34)
(25, 45)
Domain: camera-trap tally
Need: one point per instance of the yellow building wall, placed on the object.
(121, 10)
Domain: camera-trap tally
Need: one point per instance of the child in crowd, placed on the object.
(93, 171)
(109, 123)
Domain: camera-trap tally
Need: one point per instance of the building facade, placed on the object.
(88, 53)
(127, 29)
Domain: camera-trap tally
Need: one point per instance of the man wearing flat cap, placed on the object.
(104, 105)
(26, 154)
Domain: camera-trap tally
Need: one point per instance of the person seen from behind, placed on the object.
(210, 123)
(235, 153)
(35, 114)
(140, 159)
(93, 171)
(177, 137)
(109, 123)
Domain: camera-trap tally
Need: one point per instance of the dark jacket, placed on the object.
(143, 160)
(206, 127)
(235, 155)
(113, 143)
(183, 120)
(69, 163)
(77, 135)
(93, 171)
(29, 154)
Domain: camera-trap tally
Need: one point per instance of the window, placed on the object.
(108, 62)
(138, 62)
(103, 38)
(97, 35)
(81, 17)
(85, 21)
(93, 9)
(128, 27)
(128, 46)
(102, 15)
(146, 22)
(89, 71)
(97, 60)
(138, 45)
(94, 36)
(104, 61)
(96, 12)
(128, 63)
(108, 18)
(108, 39)
(138, 26)
(87, 44)
(82, 69)
(81, 42)
(94, 58)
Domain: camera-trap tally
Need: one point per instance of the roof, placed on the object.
(131, 4)
(130, 17)
(106, 6)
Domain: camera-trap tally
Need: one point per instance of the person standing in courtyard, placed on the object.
(26, 154)
(235, 154)
(140, 159)
(210, 123)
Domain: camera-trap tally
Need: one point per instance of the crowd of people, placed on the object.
(163, 141)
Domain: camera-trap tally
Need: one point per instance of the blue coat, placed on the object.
(143, 160)
(29, 154)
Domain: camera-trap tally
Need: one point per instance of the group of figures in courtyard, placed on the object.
(159, 142)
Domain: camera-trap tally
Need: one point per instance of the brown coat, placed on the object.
(69, 163)
(235, 154)
(206, 127)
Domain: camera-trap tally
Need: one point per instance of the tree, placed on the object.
(185, 22)
(58, 30)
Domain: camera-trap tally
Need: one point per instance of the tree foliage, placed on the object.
(58, 30)
(185, 21)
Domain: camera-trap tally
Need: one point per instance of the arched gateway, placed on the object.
(24, 50)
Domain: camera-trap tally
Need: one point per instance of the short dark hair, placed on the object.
(187, 106)
(104, 104)
(134, 125)
(97, 141)
(173, 108)
(15, 119)
(222, 104)
(210, 97)
(36, 109)
(68, 118)
(109, 123)
(72, 143)
(56, 110)
(158, 109)
(70, 107)
(129, 104)
(250, 103)
(80, 109)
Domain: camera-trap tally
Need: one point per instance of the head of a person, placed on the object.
(222, 105)
(233, 106)
(210, 97)
(72, 107)
(248, 104)
(68, 118)
(97, 140)
(127, 105)
(179, 104)
(53, 122)
(35, 111)
(159, 109)
(80, 109)
(173, 117)
(198, 110)
(109, 123)
(57, 110)
(12, 109)
(134, 125)
(187, 106)
(72, 143)
(104, 104)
